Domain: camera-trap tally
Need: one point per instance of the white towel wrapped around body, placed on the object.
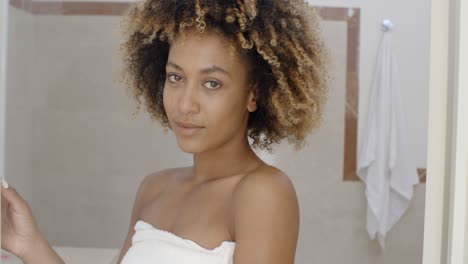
(152, 245)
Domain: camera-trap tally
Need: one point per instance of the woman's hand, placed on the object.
(20, 233)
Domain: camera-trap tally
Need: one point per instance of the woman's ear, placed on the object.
(252, 100)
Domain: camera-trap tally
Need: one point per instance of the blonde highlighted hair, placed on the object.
(281, 39)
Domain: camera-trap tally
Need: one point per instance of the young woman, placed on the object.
(216, 73)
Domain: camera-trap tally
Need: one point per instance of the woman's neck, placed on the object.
(230, 159)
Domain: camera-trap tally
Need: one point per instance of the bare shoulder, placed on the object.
(266, 184)
(266, 180)
(155, 182)
(266, 213)
(161, 176)
(151, 185)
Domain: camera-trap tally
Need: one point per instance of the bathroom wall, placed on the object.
(333, 212)
(411, 44)
(87, 155)
(18, 141)
(85, 140)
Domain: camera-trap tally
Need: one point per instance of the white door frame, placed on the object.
(3, 57)
(457, 244)
(446, 206)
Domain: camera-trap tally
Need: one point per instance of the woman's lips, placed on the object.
(187, 129)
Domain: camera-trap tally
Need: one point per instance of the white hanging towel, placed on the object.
(384, 161)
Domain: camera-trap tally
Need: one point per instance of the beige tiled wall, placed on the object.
(90, 155)
(333, 211)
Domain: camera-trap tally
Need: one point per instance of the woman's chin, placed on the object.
(189, 147)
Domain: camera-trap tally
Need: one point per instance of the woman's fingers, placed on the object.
(12, 199)
(5, 221)
(5, 202)
(18, 224)
(4, 184)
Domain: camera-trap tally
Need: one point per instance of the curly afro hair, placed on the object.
(281, 38)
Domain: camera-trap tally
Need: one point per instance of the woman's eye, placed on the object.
(212, 85)
(173, 78)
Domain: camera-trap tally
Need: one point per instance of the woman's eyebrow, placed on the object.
(213, 68)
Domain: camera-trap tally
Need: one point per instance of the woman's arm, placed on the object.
(20, 234)
(266, 219)
(41, 252)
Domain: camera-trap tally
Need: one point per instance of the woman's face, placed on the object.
(206, 97)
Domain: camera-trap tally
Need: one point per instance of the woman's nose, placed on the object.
(188, 101)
